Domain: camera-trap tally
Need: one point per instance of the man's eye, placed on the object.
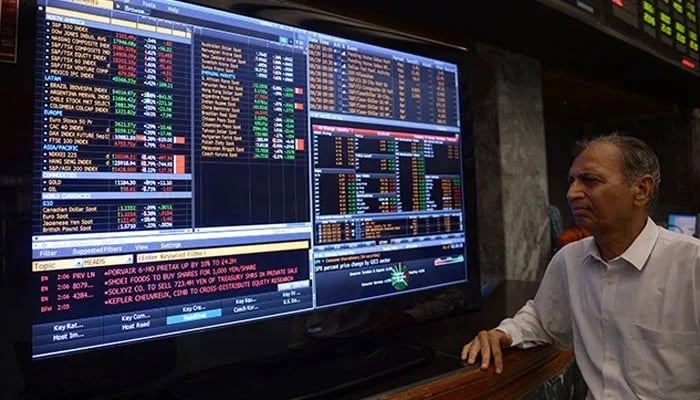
(586, 180)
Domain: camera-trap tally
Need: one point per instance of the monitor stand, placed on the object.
(321, 370)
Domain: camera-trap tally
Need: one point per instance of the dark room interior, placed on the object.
(536, 77)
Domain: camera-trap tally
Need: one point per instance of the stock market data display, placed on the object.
(347, 80)
(113, 153)
(675, 25)
(670, 24)
(668, 28)
(197, 168)
(377, 184)
(251, 142)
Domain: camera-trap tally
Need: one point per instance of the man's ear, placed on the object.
(642, 190)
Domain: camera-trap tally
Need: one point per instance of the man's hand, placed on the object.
(489, 344)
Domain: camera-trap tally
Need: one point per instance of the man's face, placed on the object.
(599, 198)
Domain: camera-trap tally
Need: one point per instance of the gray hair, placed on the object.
(638, 159)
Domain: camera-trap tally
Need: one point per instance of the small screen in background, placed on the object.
(683, 223)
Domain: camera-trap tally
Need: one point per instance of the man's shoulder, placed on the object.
(574, 252)
(671, 238)
(578, 246)
(678, 242)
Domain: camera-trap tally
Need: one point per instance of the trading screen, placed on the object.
(667, 27)
(671, 26)
(195, 168)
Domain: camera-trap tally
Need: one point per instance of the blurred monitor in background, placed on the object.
(683, 223)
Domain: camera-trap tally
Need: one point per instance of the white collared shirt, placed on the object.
(634, 321)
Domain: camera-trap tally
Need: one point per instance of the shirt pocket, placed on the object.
(663, 364)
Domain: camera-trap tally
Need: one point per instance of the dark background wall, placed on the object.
(576, 107)
(16, 96)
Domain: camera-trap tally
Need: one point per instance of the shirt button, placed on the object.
(611, 359)
(611, 281)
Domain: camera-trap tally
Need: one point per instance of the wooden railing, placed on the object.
(523, 372)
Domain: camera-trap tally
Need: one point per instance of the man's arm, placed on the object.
(545, 319)
(525, 328)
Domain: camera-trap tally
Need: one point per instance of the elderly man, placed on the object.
(627, 298)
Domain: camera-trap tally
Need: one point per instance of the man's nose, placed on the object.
(574, 191)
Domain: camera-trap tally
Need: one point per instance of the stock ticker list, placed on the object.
(114, 152)
(252, 106)
(355, 82)
(378, 173)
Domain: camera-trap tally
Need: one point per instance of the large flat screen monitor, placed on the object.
(198, 168)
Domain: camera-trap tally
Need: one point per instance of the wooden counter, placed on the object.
(524, 371)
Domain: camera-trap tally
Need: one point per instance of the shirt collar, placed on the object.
(640, 249)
